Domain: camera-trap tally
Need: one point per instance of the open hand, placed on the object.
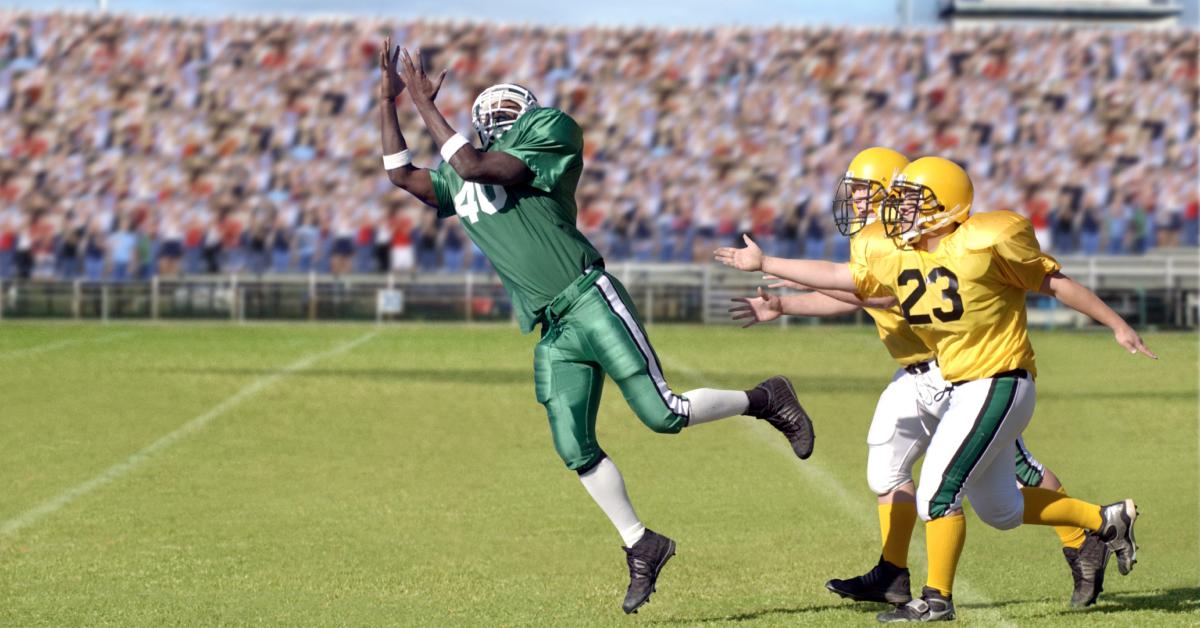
(390, 84)
(761, 309)
(413, 73)
(747, 259)
(1128, 338)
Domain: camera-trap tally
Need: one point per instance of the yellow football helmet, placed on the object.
(864, 187)
(929, 194)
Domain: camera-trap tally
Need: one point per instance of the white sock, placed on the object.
(605, 484)
(710, 404)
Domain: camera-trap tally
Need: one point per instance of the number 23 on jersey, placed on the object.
(950, 295)
(475, 197)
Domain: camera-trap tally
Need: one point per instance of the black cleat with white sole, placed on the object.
(885, 583)
(646, 559)
(1117, 532)
(784, 412)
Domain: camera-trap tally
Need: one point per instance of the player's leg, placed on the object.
(570, 390)
(1088, 573)
(970, 440)
(621, 346)
(897, 438)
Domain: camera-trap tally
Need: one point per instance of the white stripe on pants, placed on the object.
(989, 482)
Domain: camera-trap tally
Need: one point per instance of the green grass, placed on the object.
(411, 481)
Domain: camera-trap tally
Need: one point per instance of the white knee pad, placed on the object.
(883, 474)
(1001, 516)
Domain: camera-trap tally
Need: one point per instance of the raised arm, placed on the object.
(1073, 295)
(496, 168)
(816, 274)
(400, 171)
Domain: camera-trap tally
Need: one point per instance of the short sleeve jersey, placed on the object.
(527, 231)
(899, 339)
(967, 298)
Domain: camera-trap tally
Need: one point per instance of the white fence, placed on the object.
(1161, 289)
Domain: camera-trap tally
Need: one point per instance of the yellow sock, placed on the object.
(1051, 508)
(944, 538)
(1071, 536)
(896, 521)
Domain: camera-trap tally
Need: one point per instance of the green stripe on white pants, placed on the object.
(973, 452)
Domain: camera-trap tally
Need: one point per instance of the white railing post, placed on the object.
(312, 295)
(77, 299)
(154, 298)
(104, 303)
(233, 297)
(705, 291)
(470, 296)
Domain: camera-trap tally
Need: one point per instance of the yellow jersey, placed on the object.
(967, 298)
(904, 345)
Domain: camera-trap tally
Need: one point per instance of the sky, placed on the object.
(678, 13)
(683, 13)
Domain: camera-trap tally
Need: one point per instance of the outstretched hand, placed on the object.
(748, 259)
(1128, 338)
(413, 74)
(761, 309)
(390, 84)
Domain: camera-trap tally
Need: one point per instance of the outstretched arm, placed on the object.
(767, 307)
(818, 275)
(844, 296)
(1073, 295)
(415, 181)
(472, 165)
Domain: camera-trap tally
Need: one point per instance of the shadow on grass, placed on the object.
(764, 612)
(1179, 600)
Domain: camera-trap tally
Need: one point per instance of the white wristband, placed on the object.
(452, 145)
(396, 160)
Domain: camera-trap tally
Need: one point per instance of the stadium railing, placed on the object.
(1160, 289)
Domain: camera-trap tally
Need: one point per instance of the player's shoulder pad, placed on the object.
(987, 229)
(872, 241)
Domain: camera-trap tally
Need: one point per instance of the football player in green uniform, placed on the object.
(515, 197)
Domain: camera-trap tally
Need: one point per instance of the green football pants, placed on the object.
(599, 333)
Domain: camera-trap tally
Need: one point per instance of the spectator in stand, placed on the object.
(230, 132)
(122, 249)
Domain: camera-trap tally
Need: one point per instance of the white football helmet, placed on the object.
(497, 109)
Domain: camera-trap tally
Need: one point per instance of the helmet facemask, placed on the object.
(497, 109)
(912, 210)
(856, 201)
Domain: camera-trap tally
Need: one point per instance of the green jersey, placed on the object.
(527, 231)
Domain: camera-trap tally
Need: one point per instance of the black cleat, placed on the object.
(646, 558)
(1117, 532)
(885, 583)
(1087, 569)
(784, 412)
(931, 606)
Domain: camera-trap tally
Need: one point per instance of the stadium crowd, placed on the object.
(134, 146)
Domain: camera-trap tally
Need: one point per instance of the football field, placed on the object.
(300, 475)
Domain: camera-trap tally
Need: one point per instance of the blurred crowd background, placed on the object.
(134, 146)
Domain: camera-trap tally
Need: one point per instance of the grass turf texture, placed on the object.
(411, 481)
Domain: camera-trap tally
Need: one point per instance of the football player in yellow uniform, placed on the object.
(961, 285)
(908, 409)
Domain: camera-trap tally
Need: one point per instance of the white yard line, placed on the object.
(56, 503)
(854, 503)
(59, 344)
